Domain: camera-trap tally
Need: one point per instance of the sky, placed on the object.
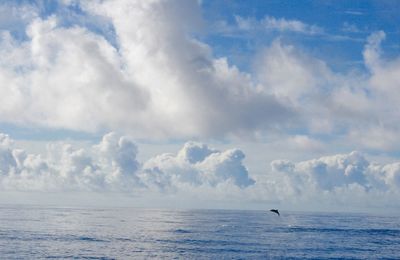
(201, 104)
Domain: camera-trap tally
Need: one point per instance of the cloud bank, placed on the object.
(348, 180)
(112, 166)
(201, 173)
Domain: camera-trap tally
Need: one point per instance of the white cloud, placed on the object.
(385, 79)
(199, 173)
(350, 28)
(276, 24)
(197, 165)
(354, 106)
(339, 171)
(64, 78)
(112, 165)
(109, 166)
(372, 49)
(286, 72)
(340, 181)
(158, 82)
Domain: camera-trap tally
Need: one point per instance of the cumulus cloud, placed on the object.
(64, 78)
(111, 165)
(342, 181)
(385, 80)
(286, 72)
(354, 106)
(198, 165)
(382, 106)
(156, 78)
(198, 172)
(152, 77)
(324, 100)
(341, 171)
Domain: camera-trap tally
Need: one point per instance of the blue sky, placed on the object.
(346, 26)
(271, 100)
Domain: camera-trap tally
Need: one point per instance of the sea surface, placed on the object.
(132, 233)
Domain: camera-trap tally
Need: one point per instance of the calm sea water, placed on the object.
(128, 233)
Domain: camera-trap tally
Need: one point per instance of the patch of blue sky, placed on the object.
(73, 15)
(67, 16)
(345, 27)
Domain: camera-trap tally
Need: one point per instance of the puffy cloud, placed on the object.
(376, 126)
(385, 80)
(198, 165)
(64, 78)
(354, 106)
(286, 72)
(199, 173)
(339, 172)
(155, 81)
(111, 165)
(343, 181)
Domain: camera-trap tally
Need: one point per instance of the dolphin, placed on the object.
(275, 211)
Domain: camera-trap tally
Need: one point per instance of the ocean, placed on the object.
(134, 233)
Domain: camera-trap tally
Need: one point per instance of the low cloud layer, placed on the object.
(345, 179)
(199, 172)
(328, 173)
(196, 164)
(111, 165)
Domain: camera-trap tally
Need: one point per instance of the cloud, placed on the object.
(340, 171)
(270, 23)
(385, 78)
(199, 173)
(355, 107)
(196, 164)
(154, 81)
(135, 67)
(112, 165)
(372, 49)
(352, 12)
(286, 72)
(350, 28)
(65, 78)
(340, 181)
(109, 166)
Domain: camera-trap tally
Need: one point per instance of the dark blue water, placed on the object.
(127, 233)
